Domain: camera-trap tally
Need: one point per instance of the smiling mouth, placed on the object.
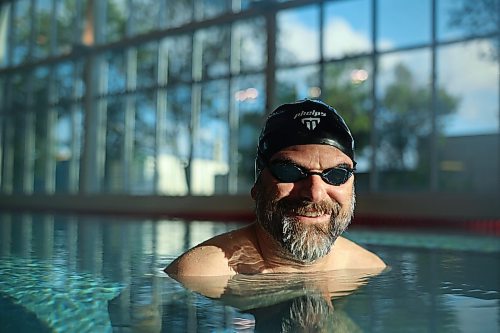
(311, 214)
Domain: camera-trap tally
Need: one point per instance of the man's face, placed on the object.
(307, 216)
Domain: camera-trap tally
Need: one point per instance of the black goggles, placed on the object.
(287, 172)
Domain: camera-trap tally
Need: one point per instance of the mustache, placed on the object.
(301, 206)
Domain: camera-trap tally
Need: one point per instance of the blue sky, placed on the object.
(462, 69)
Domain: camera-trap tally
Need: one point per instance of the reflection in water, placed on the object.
(309, 313)
(58, 268)
(286, 302)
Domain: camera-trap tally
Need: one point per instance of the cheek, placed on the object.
(342, 194)
(285, 190)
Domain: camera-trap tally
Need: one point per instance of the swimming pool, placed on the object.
(104, 274)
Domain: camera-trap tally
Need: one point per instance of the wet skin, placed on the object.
(252, 249)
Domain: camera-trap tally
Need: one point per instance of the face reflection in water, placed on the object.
(305, 242)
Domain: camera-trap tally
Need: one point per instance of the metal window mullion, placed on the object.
(271, 60)
(28, 170)
(373, 176)
(74, 162)
(233, 116)
(8, 141)
(95, 77)
(160, 134)
(78, 23)
(131, 17)
(92, 165)
(498, 105)
(233, 139)
(32, 38)
(53, 29)
(76, 133)
(196, 96)
(161, 110)
(321, 46)
(434, 171)
(128, 147)
(99, 12)
(51, 119)
(10, 34)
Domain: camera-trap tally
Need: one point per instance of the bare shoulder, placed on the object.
(210, 258)
(202, 260)
(356, 256)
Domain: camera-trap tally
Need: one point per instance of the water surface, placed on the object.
(104, 274)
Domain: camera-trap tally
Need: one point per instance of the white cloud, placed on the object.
(462, 70)
(342, 39)
(465, 73)
(298, 39)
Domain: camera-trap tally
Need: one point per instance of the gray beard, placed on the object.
(304, 243)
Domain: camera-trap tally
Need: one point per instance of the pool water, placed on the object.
(61, 273)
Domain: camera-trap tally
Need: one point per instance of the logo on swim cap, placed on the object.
(311, 123)
(311, 118)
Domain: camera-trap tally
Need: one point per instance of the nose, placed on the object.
(312, 188)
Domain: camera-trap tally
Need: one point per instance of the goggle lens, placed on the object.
(291, 173)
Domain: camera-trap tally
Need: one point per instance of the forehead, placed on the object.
(313, 156)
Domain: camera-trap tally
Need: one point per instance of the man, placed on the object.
(304, 200)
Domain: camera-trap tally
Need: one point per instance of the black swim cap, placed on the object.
(303, 122)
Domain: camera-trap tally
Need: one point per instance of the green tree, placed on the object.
(351, 98)
(405, 119)
(475, 18)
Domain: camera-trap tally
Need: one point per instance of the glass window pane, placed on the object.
(206, 9)
(403, 23)
(176, 59)
(21, 31)
(470, 78)
(298, 35)
(213, 45)
(404, 120)
(21, 127)
(145, 15)
(210, 165)
(462, 18)
(147, 58)
(40, 87)
(347, 28)
(247, 4)
(116, 21)
(249, 50)
(68, 28)
(117, 69)
(175, 148)
(297, 83)
(64, 80)
(249, 99)
(5, 19)
(44, 178)
(468, 117)
(178, 13)
(115, 144)
(143, 159)
(68, 140)
(43, 22)
(42, 132)
(348, 89)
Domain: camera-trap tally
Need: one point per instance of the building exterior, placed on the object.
(166, 97)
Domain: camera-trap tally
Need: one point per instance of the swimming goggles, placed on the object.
(287, 172)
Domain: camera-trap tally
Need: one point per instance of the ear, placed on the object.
(253, 192)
